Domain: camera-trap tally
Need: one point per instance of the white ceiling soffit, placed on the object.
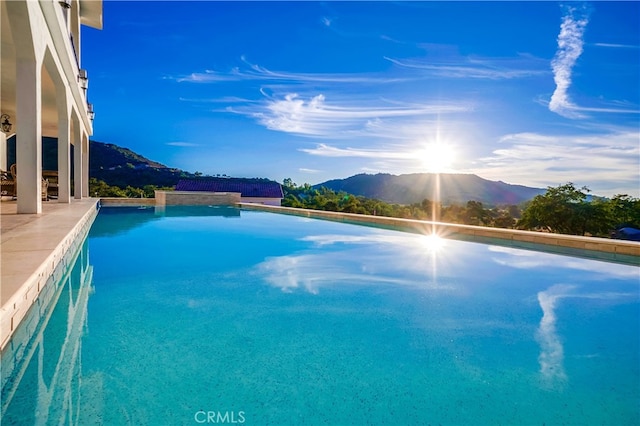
(91, 13)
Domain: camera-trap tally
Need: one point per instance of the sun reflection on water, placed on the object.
(432, 242)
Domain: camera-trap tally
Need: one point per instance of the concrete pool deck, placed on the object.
(32, 246)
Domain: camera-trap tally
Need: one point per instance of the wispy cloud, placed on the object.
(477, 68)
(182, 144)
(333, 106)
(306, 170)
(333, 269)
(343, 260)
(532, 260)
(604, 162)
(611, 110)
(474, 67)
(570, 44)
(411, 157)
(257, 72)
(551, 356)
(315, 116)
(617, 46)
(323, 150)
(220, 100)
(211, 76)
(608, 107)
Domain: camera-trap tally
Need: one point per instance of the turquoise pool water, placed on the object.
(216, 315)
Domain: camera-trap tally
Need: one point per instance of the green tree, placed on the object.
(514, 211)
(288, 184)
(453, 214)
(475, 214)
(132, 192)
(504, 220)
(624, 210)
(563, 210)
(291, 200)
(99, 188)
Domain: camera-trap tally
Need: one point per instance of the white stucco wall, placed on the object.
(264, 201)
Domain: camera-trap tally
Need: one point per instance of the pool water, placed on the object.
(207, 315)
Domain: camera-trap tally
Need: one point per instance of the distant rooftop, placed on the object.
(246, 187)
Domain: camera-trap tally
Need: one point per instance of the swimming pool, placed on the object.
(219, 315)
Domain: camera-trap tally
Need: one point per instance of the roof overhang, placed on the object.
(91, 13)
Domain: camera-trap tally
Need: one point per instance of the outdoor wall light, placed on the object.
(83, 79)
(5, 123)
(90, 112)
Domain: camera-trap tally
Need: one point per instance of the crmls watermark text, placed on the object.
(219, 417)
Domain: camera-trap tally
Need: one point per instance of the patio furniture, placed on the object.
(45, 183)
(52, 177)
(7, 184)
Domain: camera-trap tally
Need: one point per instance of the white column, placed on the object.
(85, 167)
(3, 152)
(64, 147)
(29, 139)
(77, 163)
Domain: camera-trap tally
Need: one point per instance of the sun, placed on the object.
(438, 157)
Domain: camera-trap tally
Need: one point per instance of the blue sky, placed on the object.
(531, 93)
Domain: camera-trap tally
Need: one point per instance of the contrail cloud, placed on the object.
(570, 43)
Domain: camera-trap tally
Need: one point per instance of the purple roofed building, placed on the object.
(251, 190)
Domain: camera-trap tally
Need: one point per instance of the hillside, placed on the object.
(110, 163)
(120, 166)
(413, 188)
(109, 155)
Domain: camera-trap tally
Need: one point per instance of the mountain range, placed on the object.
(413, 188)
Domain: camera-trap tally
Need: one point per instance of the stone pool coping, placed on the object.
(625, 251)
